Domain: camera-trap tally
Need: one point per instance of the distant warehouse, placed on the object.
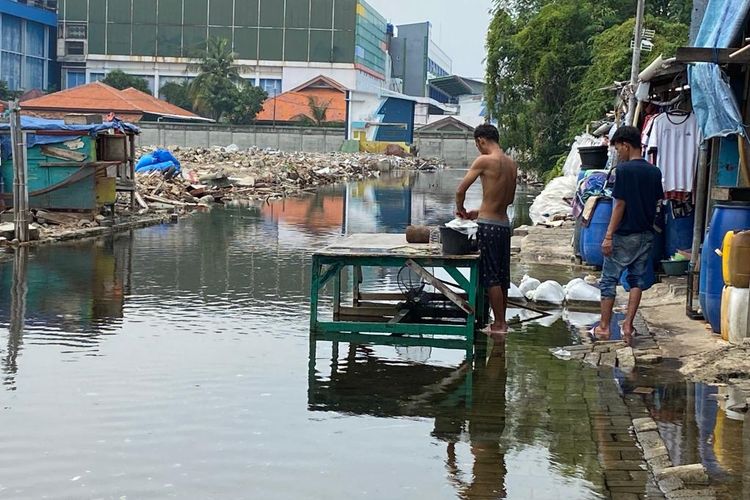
(280, 44)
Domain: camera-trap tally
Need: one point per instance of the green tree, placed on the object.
(547, 58)
(610, 62)
(121, 81)
(318, 110)
(212, 91)
(248, 102)
(177, 93)
(5, 93)
(532, 69)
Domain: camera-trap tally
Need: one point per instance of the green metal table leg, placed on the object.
(314, 291)
(337, 293)
(472, 293)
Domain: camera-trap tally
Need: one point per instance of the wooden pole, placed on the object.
(636, 65)
(20, 169)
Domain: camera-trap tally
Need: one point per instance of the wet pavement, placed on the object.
(175, 362)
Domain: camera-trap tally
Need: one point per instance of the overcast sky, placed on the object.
(459, 27)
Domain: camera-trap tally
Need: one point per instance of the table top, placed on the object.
(387, 245)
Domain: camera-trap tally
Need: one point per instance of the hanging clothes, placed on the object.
(675, 138)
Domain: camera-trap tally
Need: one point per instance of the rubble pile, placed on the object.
(221, 174)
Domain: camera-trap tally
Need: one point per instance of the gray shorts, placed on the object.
(629, 252)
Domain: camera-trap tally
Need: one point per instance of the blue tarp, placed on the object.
(713, 100)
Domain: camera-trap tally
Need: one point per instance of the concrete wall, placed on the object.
(456, 149)
(314, 140)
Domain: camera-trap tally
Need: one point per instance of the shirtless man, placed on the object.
(498, 173)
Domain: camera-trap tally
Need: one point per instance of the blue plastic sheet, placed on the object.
(157, 167)
(713, 100)
(160, 160)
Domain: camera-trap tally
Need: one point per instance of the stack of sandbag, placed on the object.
(549, 292)
(580, 291)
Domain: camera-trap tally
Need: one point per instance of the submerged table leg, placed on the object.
(356, 281)
(337, 294)
(314, 292)
(472, 293)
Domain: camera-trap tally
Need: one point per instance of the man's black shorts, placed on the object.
(494, 245)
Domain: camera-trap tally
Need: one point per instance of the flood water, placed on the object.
(175, 362)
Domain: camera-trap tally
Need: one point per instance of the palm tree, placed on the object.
(318, 110)
(211, 90)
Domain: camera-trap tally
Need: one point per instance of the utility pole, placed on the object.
(636, 68)
(20, 185)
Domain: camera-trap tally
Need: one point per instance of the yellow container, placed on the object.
(725, 297)
(739, 260)
(726, 251)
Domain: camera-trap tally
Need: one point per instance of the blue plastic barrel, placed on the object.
(592, 236)
(726, 217)
(678, 233)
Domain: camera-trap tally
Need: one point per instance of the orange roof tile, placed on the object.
(151, 104)
(98, 97)
(289, 106)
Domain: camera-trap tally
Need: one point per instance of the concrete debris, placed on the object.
(693, 474)
(229, 173)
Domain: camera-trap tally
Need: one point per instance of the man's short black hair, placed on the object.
(627, 135)
(487, 131)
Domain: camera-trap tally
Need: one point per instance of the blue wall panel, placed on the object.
(396, 111)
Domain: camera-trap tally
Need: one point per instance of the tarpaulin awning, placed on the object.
(714, 102)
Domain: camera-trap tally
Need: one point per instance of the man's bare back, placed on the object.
(498, 174)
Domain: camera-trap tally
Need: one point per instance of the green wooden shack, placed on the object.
(71, 167)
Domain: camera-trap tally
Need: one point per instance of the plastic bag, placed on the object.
(144, 161)
(515, 293)
(528, 284)
(552, 201)
(550, 292)
(580, 291)
(163, 156)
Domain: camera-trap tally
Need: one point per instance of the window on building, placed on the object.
(75, 31)
(96, 77)
(271, 86)
(74, 78)
(74, 48)
(11, 56)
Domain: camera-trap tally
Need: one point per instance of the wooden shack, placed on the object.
(71, 167)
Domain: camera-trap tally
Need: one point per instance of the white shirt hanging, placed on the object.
(676, 138)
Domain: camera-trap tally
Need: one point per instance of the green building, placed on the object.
(279, 43)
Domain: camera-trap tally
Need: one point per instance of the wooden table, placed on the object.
(388, 313)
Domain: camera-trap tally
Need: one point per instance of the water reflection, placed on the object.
(699, 423)
(174, 362)
(465, 401)
(68, 298)
(385, 205)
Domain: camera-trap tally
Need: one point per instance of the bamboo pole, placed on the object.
(20, 170)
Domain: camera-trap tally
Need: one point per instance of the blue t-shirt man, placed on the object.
(630, 235)
(638, 184)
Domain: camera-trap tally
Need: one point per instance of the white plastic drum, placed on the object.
(737, 314)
